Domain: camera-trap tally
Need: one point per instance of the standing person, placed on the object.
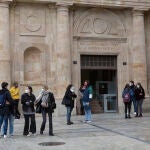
(86, 99)
(132, 92)
(140, 95)
(68, 101)
(47, 107)
(80, 97)
(15, 93)
(6, 104)
(27, 101)
(127, 100)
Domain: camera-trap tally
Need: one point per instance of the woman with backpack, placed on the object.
(140, 95)
(127, 100)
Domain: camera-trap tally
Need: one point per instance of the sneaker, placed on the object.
(5, 136)
(134, 113)
(51, 134)
(85, 121)
(140, 115)
(89, 121)
(33, 134)
(11, 136)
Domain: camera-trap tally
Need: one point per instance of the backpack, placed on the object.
(2, 100)
(126, 97)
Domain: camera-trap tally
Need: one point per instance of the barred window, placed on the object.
(98, 62)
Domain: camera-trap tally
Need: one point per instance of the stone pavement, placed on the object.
(106, 132)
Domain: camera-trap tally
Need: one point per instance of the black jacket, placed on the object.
(27, 102)
(68, 99)
(139, 93)
(8, 108)
(51, 103)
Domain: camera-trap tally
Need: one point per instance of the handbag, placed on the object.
(38, 109)
(44, 104)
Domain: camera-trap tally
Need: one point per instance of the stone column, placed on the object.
(63, 50)
(139, 51)
(4, 43)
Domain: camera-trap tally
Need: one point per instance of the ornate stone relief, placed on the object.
(98, 22)
(32, 23)
(32, 20)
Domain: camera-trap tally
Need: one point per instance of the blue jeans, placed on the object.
(87, 110)
(69, 111)
(139, 106)
(11, 125)
(134, 103)
(4, 119)
(44, 115)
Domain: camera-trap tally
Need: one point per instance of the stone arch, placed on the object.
(99, 22)
(32, 64)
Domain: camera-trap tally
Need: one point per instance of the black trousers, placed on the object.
(127, 107)
(16, 111)
(29, 119)
(44, 116)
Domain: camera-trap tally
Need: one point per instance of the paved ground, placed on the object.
(106, 132)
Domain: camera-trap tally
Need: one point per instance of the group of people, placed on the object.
(85, 94)
(9, 100)
(45, 104)
(133, 94)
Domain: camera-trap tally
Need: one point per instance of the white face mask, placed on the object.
(42, 90)
(72, 89)
(138, 86)
(130, 84)
(26, 91)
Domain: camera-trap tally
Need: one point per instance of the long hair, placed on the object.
(127, 86)
(30, 88)
(68, 88)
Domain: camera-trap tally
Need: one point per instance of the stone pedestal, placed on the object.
(63, 50)
(4, 43)
(139, 53)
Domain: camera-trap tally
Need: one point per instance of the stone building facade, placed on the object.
(57, 42)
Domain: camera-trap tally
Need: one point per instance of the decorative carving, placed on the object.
(99, 25)
(32, 20)
(86, 26)
(32, 24)
(98, 22)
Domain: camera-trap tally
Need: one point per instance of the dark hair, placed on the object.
(87, 81)
(132, 82)
(68, 87)
(139, 84)
(30, 88)
(15, 83)
(127, 86)
(4, 85)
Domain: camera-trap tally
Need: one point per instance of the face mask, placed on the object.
(42, 90)
(130, 84)
(26, 91)
(72, 89)
(138, 86)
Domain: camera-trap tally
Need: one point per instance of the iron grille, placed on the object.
(98, 62)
